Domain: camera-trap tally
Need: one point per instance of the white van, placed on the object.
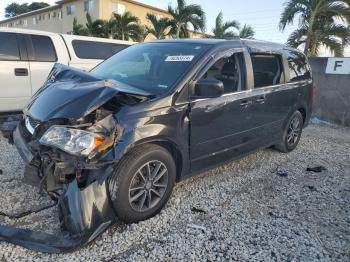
(27, 56)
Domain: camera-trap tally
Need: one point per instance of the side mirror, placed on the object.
(208, 88)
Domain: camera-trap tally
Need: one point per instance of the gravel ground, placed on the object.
(250, 213)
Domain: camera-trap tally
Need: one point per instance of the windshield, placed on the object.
(152, 67)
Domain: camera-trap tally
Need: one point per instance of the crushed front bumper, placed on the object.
(85, 213)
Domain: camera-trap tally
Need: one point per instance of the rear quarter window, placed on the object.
(298, 66)
(8, 47)
(267, 70)
(41, 49)
(96, 50)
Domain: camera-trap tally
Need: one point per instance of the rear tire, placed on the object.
(142, 183)
(291, 133)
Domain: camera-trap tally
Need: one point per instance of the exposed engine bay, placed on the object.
(68, 146)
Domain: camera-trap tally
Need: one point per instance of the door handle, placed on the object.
(245, 103)
(260, 100)
(21, 72)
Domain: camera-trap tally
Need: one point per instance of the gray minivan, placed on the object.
(110, 144)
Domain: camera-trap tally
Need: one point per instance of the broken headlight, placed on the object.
(73, 141)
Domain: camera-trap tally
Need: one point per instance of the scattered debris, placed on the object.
(197, 227)
(312, 188)
(198, 210)
(0, 171)
(282, 173)
(272, 214)
(28, 212)
(316, 169)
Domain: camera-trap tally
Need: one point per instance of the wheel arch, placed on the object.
(168, 145)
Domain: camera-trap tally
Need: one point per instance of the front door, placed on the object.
(219, 126)
(15, 86)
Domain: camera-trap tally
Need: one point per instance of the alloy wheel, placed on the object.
(148, 186)
(294, 131)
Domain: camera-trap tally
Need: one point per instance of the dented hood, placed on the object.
(70, 93)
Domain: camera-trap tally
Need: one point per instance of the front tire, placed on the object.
(291, 133)
(142, 183)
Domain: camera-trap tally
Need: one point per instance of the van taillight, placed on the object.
(314, 90)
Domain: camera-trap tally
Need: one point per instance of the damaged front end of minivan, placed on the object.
(67, 137)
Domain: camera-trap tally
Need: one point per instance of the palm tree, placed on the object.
(221, 30)
(318, 24)
(79, 29)
(246, 31)
(141, 34)
(125, 26)
(97, 28)
(184, 15)
(160, 26)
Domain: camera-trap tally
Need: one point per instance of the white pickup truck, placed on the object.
(27, 56)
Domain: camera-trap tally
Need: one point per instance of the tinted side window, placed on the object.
(229, 70)
(41, 49)
(267, 70)
(8, 47)
(96, 50)
(298, 66)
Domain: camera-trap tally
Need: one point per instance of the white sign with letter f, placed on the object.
(338, 66)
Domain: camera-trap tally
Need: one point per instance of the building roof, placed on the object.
(60, 2)
(147, 6)
(38, 11)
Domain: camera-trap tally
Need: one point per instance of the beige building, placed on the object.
(58, 18)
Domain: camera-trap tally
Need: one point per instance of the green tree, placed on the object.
(319, 24)
(142, 33)
(79, 29)
(15, 9)
(246, 31)
(96, 28)
(159, 28)
(185, 15)
(221, 30)
(37, 5)
(125, 26)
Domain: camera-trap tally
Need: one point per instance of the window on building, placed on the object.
(229, 69)
(8, 47)
(298, 67)
(34, 21)
(88, 5)
(41, 49)
(96, 50)
(120, 9)
(70, 9)
(60, 15)
(25, 22)
(267, 70)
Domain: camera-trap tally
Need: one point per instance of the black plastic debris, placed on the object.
(0, 171)
(316, 169)
(312, 188)
(198, 210)
(27, 212)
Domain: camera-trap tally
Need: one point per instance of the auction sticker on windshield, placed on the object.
(179, 58)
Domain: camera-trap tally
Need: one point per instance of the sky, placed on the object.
(263, 15)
